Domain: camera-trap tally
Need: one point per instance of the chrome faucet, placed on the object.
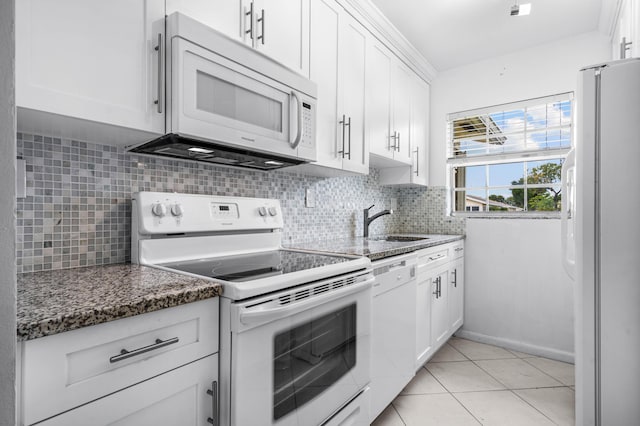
(368, 220)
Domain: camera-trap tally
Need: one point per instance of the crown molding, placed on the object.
(372, 18)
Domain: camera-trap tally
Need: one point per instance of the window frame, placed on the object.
(524, 156)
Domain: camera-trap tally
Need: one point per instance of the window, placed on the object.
(508, 158)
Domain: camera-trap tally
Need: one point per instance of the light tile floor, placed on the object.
(470, 383)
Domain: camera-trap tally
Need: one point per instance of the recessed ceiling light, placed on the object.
(273, 163)
(521, 10)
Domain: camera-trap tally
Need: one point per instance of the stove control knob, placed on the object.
(262, 211)
(159, 210)
(177, 210)
(273, 211)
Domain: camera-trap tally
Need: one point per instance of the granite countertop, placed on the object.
(62, 300)
(375, 248)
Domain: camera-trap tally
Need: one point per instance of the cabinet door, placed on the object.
(179, 397)
(351, 88)
(419, 131)
(90, 59)
(282, 32)
(439, 308)
(423, 317)
(401, 110)
(225, 16)
(456, 294)
(325, 21)
(378, 98)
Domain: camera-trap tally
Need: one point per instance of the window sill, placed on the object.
(499, 215)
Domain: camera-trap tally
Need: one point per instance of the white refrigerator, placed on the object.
(601, 239)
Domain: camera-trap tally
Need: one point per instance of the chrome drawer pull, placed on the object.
(440, 256)
(124, 354)
(459, 249)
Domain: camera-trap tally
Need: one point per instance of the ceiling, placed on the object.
(451, 33)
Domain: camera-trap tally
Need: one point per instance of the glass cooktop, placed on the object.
(254, 266)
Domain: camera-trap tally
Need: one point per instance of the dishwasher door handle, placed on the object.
(258, 314)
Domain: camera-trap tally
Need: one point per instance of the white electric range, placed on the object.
(294, 325)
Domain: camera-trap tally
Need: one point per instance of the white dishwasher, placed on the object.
(393, 329)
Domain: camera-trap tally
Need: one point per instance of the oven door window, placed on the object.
(311, 357)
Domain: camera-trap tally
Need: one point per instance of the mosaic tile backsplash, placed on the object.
(78, 206)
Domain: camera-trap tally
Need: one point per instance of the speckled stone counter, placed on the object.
(375, 248)
(56, 301)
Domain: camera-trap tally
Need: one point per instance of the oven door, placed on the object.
(298, 357)
(212, 95)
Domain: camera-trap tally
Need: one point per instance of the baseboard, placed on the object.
(517, 346)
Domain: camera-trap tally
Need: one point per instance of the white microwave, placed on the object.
(230, 104)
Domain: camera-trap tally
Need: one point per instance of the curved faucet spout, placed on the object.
(368, 220)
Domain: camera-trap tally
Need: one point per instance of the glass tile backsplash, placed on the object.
(78, 206)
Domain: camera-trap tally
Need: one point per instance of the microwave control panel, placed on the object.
(307, 124)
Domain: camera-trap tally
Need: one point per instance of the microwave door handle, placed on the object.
(258, 315)
(296, 141)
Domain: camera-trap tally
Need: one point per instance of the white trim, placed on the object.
(609, 15)
(517, 346)
(379, 25)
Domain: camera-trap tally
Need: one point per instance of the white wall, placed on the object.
(517, 294)
(7, 216)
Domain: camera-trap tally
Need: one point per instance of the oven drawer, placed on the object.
(66, 370)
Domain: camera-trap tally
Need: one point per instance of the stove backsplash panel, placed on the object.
(78, 206)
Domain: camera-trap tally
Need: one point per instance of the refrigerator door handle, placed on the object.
(568, 214)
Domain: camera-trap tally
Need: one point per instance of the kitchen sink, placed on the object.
(398, 238)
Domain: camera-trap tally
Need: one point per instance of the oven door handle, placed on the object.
(258, 314)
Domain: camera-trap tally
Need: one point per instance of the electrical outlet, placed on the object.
(309, 197)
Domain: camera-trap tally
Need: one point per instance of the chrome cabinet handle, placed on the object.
(349, 126)
(417, 172)
(397, 144)
(124, 354)
(455, 278)
(250, 14)
(440, 256)
(343, 123)
(214, 403)
(395, 138)
(624, 46)
(261, 20)
(159, 48)
(459, 248)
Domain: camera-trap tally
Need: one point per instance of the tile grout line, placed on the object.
(544, 372)
(531, 405)
(398, 412)
(465, 407)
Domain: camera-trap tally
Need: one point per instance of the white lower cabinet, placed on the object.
(123, 368)
(180, 397)
(439, 298)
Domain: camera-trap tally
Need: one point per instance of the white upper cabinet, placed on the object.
(281, 31)
(388, 106)
(415, 174)
(338, 68)
(225, 16)
(90, 59)
(277, 28)
(378, 99)
(401, 78)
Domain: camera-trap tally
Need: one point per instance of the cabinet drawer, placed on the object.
(176, 398)
(433, 256)
(457, 249)
(66, 370)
